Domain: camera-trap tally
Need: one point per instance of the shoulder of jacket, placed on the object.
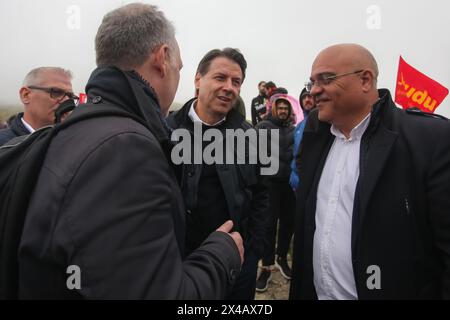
(262, 124)
(171, 119)
(245, 125)
(5, 131)
(418, 112)
(6, 134)
(99, 129)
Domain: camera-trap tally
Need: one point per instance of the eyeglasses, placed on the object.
(56, 93)
(326, 80)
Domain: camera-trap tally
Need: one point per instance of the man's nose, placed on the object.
(65, 98)
(228, 85)
(315, 90)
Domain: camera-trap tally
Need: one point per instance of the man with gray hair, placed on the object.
(112, 223)
(43, 90)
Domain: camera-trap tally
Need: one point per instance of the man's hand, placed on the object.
(226, 227)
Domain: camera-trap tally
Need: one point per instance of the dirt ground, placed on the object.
(278, 286)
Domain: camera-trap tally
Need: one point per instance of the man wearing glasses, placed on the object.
(44, 89)
(373, 219)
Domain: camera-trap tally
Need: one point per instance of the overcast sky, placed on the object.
(279, 39)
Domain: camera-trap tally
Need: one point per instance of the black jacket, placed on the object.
(401, 213)
(245, 189)
(16, 129)
(108, 202)
(285, 144)
(258, 108)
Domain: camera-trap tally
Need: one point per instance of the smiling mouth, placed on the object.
(224, 99)
(318, 102)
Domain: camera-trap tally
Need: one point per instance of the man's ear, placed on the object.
(367, 80)
(197, 83)
(161, 59)
(24, 94)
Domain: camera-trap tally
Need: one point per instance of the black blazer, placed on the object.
(245, 189)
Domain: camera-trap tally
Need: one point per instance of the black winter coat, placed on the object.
(285, 145)
(401, 213)
(107, 201)
(245, 189)
(258, 108)
(15, 130)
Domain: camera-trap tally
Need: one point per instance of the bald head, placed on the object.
(349, 56)
(344, 85)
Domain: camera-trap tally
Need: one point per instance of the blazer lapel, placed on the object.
(372, 162)
(316, 145)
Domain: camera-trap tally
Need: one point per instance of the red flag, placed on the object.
(414, 89)
(83, 98)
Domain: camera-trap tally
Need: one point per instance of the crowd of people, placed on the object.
(362, 186)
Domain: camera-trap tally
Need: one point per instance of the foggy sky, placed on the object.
(279, 39)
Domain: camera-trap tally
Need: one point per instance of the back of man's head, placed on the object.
(129, 34)
(270, 88)
(271, 85)
(280, 90)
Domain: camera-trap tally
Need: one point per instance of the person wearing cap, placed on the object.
(307, 104)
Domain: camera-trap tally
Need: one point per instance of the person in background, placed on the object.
(43, 90)
(258, 106)
(239, 105)
(307, 104)
(270, 88)
(281, 196)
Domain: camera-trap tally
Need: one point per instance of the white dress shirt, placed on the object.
(332, 252)
(27, 125)
(195, 118)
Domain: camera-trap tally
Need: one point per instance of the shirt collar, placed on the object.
(356, 133)
(195, 118)
(27, 125)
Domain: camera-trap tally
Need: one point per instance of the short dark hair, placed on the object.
(230, 53)
(261, 82)
(270, 84)
(280, 90)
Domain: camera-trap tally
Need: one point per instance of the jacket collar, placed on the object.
(18, 127)
(195, 118)
(382, 112)
(376, 146)
(131, 93)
